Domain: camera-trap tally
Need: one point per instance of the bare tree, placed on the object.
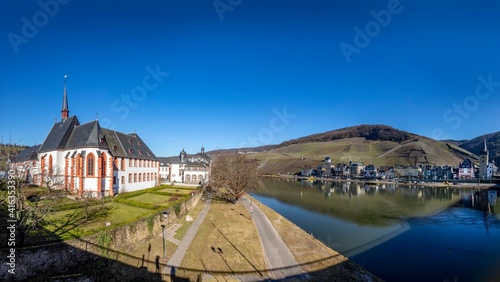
(53, 178)
(232, 174)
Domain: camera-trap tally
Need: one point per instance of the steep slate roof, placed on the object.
(177, 159)
(59, 135)
(86, 135)
(127, 145)
(28, 154)
(69, 134)
(169, 160)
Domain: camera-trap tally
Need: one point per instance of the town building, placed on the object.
(186, 168)
(88, 160)
(357, 168)
(25, 164)
(466, 170)
(370, 171)
(341, 170)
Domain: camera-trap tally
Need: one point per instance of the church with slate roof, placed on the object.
(88, 160)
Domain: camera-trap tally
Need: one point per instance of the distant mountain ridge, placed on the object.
(475, 145)
(369, 132)
(371, 144)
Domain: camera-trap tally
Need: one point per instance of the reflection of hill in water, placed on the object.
(359, 203)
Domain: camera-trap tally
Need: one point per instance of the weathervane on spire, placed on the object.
(65, 110)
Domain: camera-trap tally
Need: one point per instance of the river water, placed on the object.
(399, 233)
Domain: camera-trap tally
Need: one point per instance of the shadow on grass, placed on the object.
(231, 243)
(70, 223)
(247, 217)
(81, 264)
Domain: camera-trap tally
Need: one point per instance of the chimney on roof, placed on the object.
(65, 110)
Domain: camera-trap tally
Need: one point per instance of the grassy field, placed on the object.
(154, 199)
(175, 190)
(226, 243)
(81, 218)
(70, 224)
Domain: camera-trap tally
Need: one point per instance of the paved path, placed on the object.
(176, 259)
(279, 259)
(171, 233)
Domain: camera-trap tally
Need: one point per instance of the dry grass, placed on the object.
(145, 254)
(226, 244)
(179, 235)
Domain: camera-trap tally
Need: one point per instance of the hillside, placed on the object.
(492, 142)
(369, 132)
(242, 150)
(370, 144)
(8, 151)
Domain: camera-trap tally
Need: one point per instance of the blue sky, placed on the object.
(232, 73)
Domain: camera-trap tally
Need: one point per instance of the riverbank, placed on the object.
(384, 182)
(318, 260)
(227, 247)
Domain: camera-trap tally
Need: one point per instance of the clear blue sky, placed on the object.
(235, 66)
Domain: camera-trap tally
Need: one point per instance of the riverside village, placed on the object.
(96, 204)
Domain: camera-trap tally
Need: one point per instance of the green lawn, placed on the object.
(182, 191)
(71, 223)
(154, 199)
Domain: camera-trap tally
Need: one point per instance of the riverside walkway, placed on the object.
(279, 258)
(176, 259)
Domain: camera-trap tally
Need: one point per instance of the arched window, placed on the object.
(79, 165)
(148, 176)
(130, 162)
(188, 178)
(103, 164)
(200, 177)
(50, 166)
(144, 176)
(123, 164)
(135, 177)
(90, 164)
(123, 179)
(130, 178)
(140, 177)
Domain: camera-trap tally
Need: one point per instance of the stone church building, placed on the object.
(88, 160)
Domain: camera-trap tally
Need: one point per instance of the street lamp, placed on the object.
(165, 215)
(251, 207)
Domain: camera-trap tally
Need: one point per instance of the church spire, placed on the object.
(65, 110)
(484, 151)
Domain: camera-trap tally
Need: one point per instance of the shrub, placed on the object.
(150, 221)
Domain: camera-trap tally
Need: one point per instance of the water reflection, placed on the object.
(364, 204)
(353, 218)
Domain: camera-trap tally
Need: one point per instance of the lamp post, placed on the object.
(251, 207)
(165, 215)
